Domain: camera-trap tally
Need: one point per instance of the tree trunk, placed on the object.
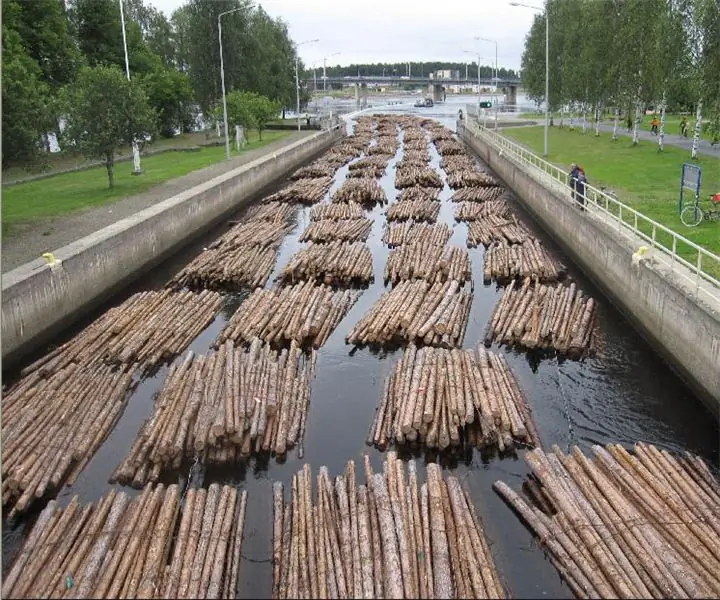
(109, 165)
(572, 119)
(661, 133)
(698, 128)
(260, 134)
(283, 113)
(615, 125)
(584, 119)
(636, 124)
(562, 116)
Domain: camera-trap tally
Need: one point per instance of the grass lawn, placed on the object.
(639, 176)
(69, 192)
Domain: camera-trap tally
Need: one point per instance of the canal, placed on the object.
(623, 394)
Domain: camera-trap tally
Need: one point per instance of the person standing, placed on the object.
(684, 127)
(581, 187)
(572, 180)
(654, 125)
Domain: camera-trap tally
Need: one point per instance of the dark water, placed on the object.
(624, 394)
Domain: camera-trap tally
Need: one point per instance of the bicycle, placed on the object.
(692, 215)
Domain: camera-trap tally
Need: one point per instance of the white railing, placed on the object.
(623, 216)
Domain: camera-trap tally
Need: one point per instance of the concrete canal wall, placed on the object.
(38, 301)
(683, 328)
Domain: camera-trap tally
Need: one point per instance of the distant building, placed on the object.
(445, 74)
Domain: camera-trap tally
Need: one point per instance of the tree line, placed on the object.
(422, 69)
(63, 65)
(626, 56)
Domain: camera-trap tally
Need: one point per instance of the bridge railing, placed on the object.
(673, 248)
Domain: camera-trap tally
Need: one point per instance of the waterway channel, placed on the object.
(623, 394)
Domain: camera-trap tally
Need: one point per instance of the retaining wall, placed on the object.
(37, 301)
(661, 305)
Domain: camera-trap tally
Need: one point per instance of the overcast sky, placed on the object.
(365, 31)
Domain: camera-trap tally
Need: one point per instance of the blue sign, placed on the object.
(690, 179)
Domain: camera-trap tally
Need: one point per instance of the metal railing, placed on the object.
(624, 217)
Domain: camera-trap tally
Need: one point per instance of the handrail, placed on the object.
(626, 217)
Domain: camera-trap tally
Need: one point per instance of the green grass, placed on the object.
(69, 192)
(641, 177)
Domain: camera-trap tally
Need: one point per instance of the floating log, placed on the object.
(540, 316)
(222, 407)
(473, 211)
(392, 537)
(443, 398)
(477, 194)
(637, 524)
(275, 212)
(54, 420)
(417, 176)
(323, 167)
(336, 263)
(304, 313)
(461, 179)
(429, 262)
(419, 210)
(409, 232)
(362, 190)
(418, 193)
(434, 314)
(329, 230)
(503, 262)
(337, 211)
(494, 228)
(305, 191)
(228, 268)
(127, 547)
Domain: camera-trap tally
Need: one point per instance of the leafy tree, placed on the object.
(106, 111)
(263, 111)
(25, 104)
(170, 94)
(240, 109)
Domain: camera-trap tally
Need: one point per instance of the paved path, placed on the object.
(28, 242)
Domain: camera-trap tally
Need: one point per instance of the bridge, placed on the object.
(436, 87)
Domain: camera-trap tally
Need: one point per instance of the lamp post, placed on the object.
(324, 73)
(478, 59)
(222, 80)
(547, 66)
(135, 152)
(297, 80)
(496, 76)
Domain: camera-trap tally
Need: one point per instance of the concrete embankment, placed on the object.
(680, 325)
(38, 301)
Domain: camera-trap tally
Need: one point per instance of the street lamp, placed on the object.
(324, 73)
(136, 153)
(222, 79)
(547, 66)
(482, 39)
(478, 59)
(297, 79)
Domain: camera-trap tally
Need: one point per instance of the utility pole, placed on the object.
(222, 80)
(135, 152)
(297, 80)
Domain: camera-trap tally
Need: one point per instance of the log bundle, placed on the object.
(473, 211)
(374, 161)
(366, 173)
(413, 157)
(640, 524)
(475, 178)
(529, 260)
(304, 313)
(418, 193)
(477, 194)
(228, 268)
(392, 537)
(429, 262)
(328, 230)
(53, 423)
(453, 163)
(541, 316)
(220, 408)
(442, 398)
(418, 210)
(433, 314)
(364, 190)
(337, 211)
(125, 547)
(448, 147)
(305, 191)
(322, 167)
(386, 146)
(273, 211)
(336, 263)
(495, 228)
(252, 233)
(415, 176)
(415, 233)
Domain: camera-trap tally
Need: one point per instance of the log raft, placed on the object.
(128, 547)
(364, 190)
(638, 523)
(337, 212)
(336, 263)
(452, 398)
(418, 210)
(409, 232)
(494, 228)
(329, 230)
(429, 262)
(503, 262)
(391, 537)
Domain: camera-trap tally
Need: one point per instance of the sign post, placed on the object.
(690, 180)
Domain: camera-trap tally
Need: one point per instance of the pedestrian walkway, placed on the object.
(28, 242)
